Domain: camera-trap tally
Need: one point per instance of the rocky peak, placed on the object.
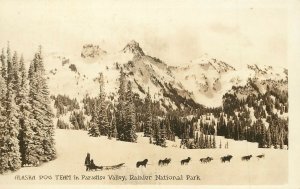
(92, 51)
(134, 48)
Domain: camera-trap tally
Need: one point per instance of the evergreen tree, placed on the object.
(15, 75)
(48, 142)
(163, 134)
(222, 127)
(18, 74)
(281, 140)
(3, 91)
(29, 155)
(236, 125)
(39, 99)
(9, 77)
(169, 132)
(229, 128)
(61, 124)
(10, 159)
(75, 124)
(34, 100)
(93, 130)
(263, 136)
(148, 124)
(130, 134)
(3, 162)
(3, 64)
(191, 131)
(102, 115)
(206, 142)
(214, 142)
(261, 133)
(268, 139)
(201, 141)
(156, 135)
(120, 113)
(113, 128)
(196, 138)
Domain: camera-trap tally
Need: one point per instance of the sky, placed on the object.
(238, 32)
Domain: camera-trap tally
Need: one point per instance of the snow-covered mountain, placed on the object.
(202, 81)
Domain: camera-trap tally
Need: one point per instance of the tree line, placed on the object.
(64, 104)
(268, 127)
(113, 121)
(26, 127)
(131, 114)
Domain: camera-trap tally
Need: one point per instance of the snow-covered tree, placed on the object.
(18, 71)
(261, 133)
(196, 139)
(29, 155)
(3, 65)
(9, 76)
(281, 140)
(148, 124)
(121, 111)
(16, 74)
(102, 120)
(130, 134)
(10, 159)
(163, 134)
(210, 142)
(201, 141)
(156, 132)
(93, 130)
(214, 142)
(113, 128)
(268, 139)
(3, 91)
(39, 99)
(206, 141)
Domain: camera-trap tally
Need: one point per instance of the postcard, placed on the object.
(148, 93)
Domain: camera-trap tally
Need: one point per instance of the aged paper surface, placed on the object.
(149, 94)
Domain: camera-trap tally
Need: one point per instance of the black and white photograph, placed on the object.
(145, 92)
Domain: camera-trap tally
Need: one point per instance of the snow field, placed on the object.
(72, 147)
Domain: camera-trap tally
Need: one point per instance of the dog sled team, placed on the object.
(224, 159)
(90, 165)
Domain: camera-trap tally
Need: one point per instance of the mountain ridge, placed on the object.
(202, 81)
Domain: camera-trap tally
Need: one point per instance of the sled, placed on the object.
(112, 167)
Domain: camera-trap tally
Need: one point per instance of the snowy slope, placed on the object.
(207, 79)
(73, 145)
